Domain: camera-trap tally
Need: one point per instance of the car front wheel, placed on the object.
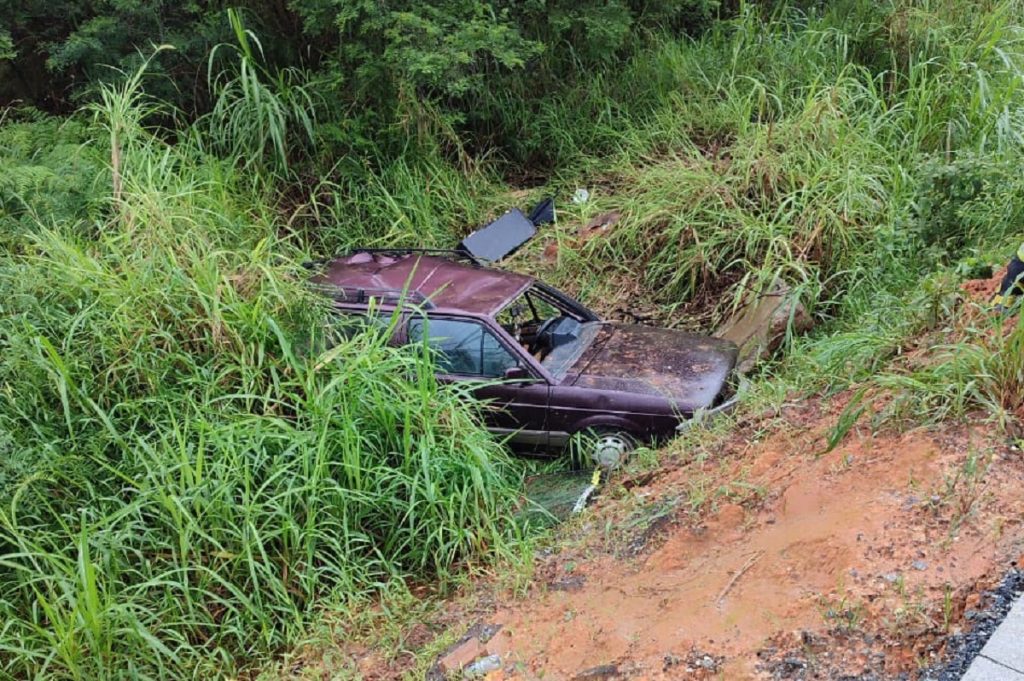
(608, 448)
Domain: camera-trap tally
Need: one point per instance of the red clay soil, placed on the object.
(865, 552)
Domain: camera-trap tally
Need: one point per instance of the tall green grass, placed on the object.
(199, 462)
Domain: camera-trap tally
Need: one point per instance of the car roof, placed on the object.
(440, 282)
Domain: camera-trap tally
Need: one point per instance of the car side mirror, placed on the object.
(516, 373)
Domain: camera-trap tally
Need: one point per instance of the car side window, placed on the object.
(463, 347)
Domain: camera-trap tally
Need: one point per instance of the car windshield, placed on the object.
(553, 327)
(566, 354)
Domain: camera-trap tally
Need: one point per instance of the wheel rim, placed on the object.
(610, 450)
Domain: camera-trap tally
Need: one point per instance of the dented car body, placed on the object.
(548, 367)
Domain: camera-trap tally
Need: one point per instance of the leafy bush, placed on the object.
(48, 173)
(973, 198)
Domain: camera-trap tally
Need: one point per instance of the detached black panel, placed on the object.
(543, 212)
(500, 238)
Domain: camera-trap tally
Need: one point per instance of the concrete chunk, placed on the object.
(760, 323)
(1006, 646)
(984, 669)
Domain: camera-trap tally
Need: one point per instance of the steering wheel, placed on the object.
(541, 342)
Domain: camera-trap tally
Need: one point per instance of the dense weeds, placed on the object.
(195, 461)
(195, 464)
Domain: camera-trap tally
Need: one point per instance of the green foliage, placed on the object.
(255, 111)
(376, 65)
(975, 197)
(203, 465)
(48, 173)
(7, 50)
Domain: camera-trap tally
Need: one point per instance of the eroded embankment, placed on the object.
(856, 561)
(763, 555)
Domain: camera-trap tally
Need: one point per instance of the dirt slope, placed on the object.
(850, 562)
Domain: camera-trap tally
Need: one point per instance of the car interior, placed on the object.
(537, 324)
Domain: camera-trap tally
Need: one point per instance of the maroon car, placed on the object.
(549, 367)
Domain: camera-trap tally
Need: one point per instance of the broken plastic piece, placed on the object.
(500, 238)
(543, 212)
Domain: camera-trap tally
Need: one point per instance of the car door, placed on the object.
(470, 352)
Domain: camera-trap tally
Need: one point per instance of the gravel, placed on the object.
(961, 649)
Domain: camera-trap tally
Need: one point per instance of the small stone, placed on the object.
(891, 577)
(919, 565)
(574, 583)
(482, 667)
(794, 663)
(604, 671)
(484, 632)
(462, 655)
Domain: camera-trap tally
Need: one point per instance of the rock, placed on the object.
(919, 565)
(792, 664)
(462, 655)
(573, 583)
(731, 516)
(604, 671)
(483, 632)
(761, 322)
(891, 577)
(482, 667)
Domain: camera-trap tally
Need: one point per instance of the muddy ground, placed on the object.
(767, 557)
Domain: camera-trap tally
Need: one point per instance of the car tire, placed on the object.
(608, 448)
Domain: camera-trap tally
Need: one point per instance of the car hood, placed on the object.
(688, 369)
